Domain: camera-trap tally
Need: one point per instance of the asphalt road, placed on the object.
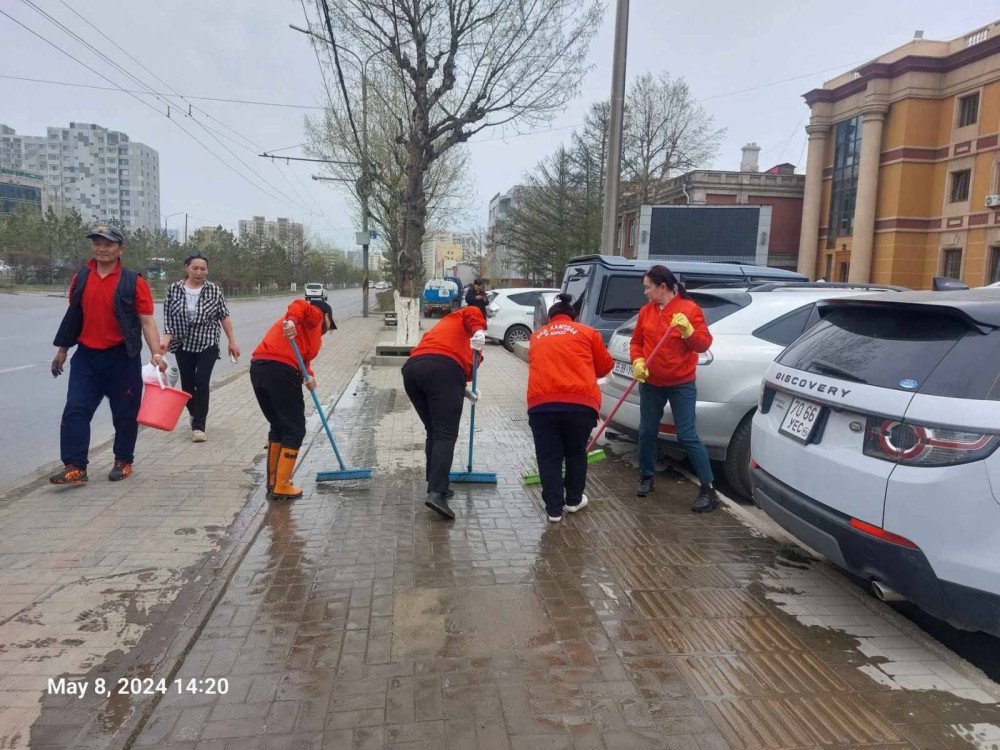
(31, 400)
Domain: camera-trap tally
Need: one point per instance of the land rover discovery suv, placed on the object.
(875, 443)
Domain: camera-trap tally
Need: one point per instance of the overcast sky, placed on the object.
(243, 49)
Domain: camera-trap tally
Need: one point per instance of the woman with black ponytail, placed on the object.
(565, 360)
(670, 377)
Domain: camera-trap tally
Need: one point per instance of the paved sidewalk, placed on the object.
(88, 574)
(358, 619)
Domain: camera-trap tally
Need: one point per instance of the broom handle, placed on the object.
(472, 418)
(319, 407)
(628, 390)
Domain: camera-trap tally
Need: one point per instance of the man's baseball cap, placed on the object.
(108, 233)
(327, 310)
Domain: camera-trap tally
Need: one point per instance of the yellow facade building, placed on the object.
(903, 168)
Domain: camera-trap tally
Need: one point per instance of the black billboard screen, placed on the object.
(723, 231)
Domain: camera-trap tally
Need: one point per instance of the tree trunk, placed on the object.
(413, 217)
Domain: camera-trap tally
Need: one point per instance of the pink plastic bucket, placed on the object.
(161, 407)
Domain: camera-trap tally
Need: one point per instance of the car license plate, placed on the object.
(800, 419)
(623, 368)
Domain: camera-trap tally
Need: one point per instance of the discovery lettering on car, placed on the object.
(811, 385)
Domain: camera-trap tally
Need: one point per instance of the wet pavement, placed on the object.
(110, 581)
(358, 619)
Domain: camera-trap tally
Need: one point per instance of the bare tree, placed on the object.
(666, 131)
(331, 138)
(466, 65)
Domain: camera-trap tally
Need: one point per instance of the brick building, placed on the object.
(902, 170)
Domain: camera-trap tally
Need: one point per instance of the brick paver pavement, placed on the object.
(100, 580)
(358, 619)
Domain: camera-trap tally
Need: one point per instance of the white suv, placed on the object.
(510, 314)
(315, 290)
(876, 444)
(749, 329)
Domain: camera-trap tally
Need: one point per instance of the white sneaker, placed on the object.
(554, 519)
(198, 436)
(579, 506)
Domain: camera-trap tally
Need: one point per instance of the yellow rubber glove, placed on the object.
(681, 323)
(639, 370)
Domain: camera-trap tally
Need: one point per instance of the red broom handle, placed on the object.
(628, 390)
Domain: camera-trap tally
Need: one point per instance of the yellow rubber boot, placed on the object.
(273, 449)
(283, 487)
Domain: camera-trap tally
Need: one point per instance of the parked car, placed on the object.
(876, 444)
(510, 314)
(608, 288)
(315, 290)
(542, 304)
(749, 329)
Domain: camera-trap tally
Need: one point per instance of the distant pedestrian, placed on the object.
(475, 295)
(564, 361)
(435, 378)
(670, 377)
(194, 314)
(110, 313)
(277, 384)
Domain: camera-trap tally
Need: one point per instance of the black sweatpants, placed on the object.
(196, 378)
(562, 436)
(435, 385)
(278, 388)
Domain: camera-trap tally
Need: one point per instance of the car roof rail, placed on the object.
(773, 286)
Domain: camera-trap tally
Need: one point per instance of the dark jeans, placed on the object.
(278, 388)
(682, 398)
(435, 385)
(559, 437)
(94, 374)
(196, 376)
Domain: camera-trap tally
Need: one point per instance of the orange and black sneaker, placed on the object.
(69, 474)
(121, 470)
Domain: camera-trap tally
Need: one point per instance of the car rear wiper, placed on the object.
(632, 310)
(821, 366)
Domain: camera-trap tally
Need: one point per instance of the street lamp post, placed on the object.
(167, 218)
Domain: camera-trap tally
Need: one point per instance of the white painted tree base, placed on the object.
(407, 320)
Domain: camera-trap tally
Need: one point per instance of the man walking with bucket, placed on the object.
(110, 313)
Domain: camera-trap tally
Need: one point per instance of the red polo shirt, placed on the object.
(100, 326)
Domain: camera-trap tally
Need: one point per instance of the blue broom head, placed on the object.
(346, 474)
(473, 477)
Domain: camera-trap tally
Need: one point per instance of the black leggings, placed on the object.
(435, 385)
(278, 388)
(562, 437)
(196, 378)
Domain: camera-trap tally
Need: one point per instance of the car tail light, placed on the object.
(706, 357)
(880, 533)
(913, 444)
(492, 310)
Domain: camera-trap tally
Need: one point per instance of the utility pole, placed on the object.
(609, 225)
(366, 184)
(185, 228)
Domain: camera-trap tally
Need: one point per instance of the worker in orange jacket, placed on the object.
(670, 377)
(277, 384)
(564, 361)
(435, 378)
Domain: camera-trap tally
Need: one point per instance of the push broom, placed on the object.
(469, 476)
(594, 456)
(329, 476)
